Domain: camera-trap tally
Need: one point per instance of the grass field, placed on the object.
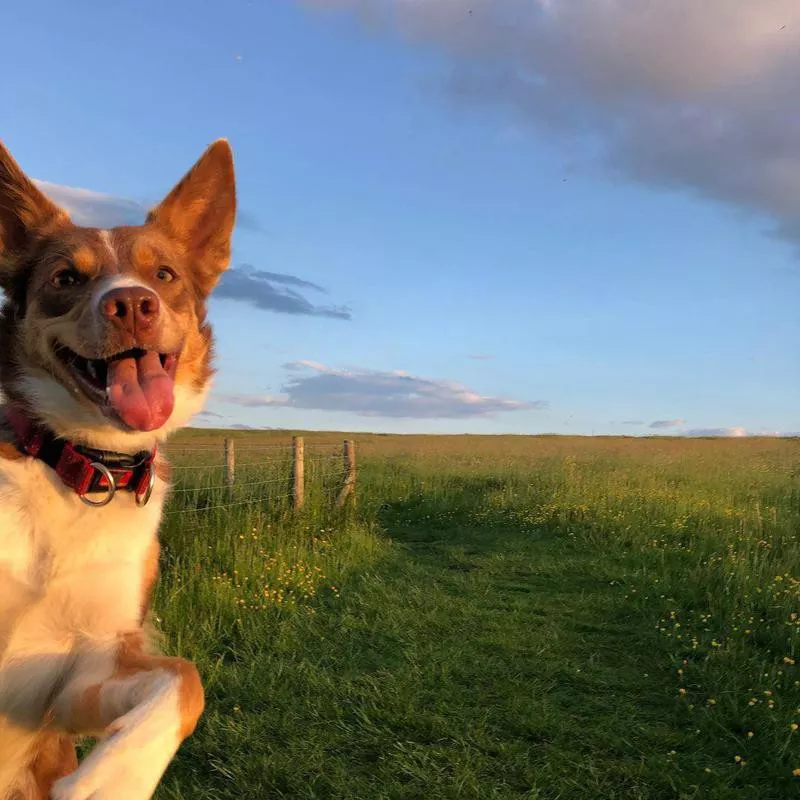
(499, 617)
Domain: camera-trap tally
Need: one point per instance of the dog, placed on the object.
(105, 349)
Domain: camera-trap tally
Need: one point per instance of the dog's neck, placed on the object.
(85, 470)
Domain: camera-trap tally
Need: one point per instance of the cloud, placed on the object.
(209, 415)
(681, 94)
(273, 291)
(374, 393)
(667, 423)
(97, 210)
(94, 209)
(632, 422)
(480, 357)
(736, 432)
(717, 432)
(248, 222)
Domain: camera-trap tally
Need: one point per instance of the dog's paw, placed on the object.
(126, 765)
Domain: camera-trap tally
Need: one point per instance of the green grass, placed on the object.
(498, 618)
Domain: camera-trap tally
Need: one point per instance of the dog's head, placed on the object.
(103, 333)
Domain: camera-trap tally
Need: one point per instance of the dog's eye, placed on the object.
(66, 277)
(165, 274)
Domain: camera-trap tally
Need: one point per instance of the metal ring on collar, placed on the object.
(112, 486)
(143, 500)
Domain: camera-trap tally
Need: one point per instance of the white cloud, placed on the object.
(98, 210)
(674, 93)
(667, 423)
(375, 393)
(737, 433)
(719, 432)
(94, 209)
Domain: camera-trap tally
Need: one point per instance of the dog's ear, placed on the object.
(24, 213)
(199, 214)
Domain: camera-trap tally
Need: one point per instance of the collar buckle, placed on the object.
(84, 469)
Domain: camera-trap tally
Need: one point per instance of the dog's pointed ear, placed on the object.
(200, 212)
(24, 212)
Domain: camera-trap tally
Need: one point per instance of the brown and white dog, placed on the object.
(104, 350)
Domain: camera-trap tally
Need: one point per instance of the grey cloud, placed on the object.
(688, 95)
(481, 357)
(373, 393)
(632, 422)
(667, 423)
(248, 222)
(210, 415)
(279, 277)
(273, 291)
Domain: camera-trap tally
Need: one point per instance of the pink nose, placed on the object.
(132, 309)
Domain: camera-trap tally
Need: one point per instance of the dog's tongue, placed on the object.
(140, 391)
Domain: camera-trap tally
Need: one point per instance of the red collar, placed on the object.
(84, 469)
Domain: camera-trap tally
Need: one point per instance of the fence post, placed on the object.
(230, 464)
(349, 473)
(298, 472)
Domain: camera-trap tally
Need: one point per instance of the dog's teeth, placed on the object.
(91, 369)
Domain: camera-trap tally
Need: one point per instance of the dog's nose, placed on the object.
(133, 309)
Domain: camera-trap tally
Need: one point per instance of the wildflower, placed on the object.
(794, 726)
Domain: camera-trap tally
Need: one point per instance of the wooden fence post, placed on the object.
(298, 473)
(230, 464)
(349, 484)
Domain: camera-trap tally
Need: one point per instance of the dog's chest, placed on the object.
(70, 574)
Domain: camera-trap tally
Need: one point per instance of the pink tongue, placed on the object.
(140, 391)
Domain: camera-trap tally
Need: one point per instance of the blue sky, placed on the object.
(507, 216)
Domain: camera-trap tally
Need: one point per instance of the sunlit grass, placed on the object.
(499, 617)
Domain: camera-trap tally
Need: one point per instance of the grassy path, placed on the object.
(467, 664)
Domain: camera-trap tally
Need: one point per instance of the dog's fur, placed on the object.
(75, 580)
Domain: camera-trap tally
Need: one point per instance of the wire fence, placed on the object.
(273, 477)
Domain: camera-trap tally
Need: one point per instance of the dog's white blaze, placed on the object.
(105, 237)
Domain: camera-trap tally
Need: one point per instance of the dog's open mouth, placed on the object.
(136, 385)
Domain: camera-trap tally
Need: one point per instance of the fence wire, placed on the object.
(259, 476)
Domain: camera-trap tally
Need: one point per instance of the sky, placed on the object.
(487, 216)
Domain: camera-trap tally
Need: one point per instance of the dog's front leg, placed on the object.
(143, 711)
